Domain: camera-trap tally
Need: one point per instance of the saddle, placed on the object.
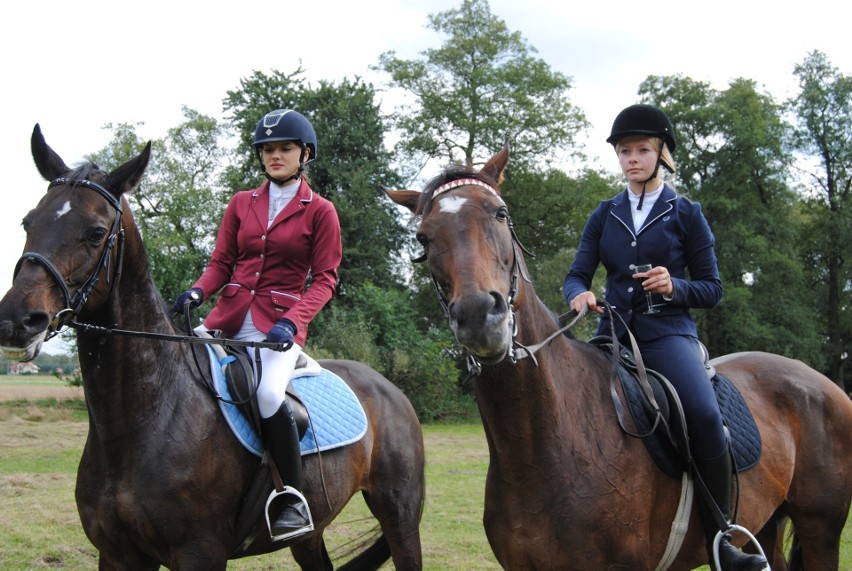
(665, 434)
(239, 379)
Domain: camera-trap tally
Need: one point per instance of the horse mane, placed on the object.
(449, 174)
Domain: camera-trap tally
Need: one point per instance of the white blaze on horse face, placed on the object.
(451, 204)
(66, 208)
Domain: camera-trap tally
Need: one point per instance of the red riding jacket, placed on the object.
(266, 269)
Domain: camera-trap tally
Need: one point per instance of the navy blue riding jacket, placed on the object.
(675, 235)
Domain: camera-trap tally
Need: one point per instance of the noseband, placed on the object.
(75, 303)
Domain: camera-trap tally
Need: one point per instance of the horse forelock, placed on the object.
(85, 171)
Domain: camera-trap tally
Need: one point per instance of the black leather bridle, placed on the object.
(75, 303)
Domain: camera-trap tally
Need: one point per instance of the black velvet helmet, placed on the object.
(285, 125)
(642, 119)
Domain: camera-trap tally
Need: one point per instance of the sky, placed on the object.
(73, 67)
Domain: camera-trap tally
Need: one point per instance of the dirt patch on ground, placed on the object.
(39, 392)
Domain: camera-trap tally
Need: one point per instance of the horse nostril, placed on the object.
(37, 321)
(500, 306)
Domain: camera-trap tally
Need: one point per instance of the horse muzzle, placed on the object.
(482, 325)
(22, 333)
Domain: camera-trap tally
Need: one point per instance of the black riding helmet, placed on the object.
(285, 125)
(642, 119)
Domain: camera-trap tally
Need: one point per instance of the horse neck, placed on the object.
(535, 395)
(127, 378)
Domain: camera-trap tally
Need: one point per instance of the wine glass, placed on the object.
(640, 269)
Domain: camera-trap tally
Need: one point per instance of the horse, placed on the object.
(566, 487)
(162, 479)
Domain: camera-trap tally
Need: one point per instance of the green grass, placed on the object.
(40, 446)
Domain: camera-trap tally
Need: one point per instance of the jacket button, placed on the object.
(630, 289)
(633, 244)
(252, 292)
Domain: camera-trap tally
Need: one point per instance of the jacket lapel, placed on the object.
(621, 211)
(260, 204)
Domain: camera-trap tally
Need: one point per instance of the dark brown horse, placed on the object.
(162, 480)
(566, 487)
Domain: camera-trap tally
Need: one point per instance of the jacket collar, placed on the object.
(621, 208)
(304, 196)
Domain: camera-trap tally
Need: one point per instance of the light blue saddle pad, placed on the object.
(337, 417)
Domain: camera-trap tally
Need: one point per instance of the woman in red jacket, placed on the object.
(271, 241)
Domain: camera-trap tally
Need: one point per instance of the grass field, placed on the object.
(40, 445)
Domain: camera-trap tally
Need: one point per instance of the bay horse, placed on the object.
(162, 479)
(566, 487)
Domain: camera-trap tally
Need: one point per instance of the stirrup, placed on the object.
(302, 530)
(734, 527)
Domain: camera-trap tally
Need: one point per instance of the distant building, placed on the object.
(28, 368)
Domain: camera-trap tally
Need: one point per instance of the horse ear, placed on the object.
(496, 164)
(407, 198)
(48, 163)
(127, 176)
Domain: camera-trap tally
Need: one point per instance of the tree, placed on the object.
(482, 85)
(823, 135)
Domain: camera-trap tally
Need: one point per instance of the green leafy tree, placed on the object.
(483, 84)
(823, 136)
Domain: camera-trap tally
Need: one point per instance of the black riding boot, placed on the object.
(281, 438)
(717, 475)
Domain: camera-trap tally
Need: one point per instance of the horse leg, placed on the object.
(399, 516)
(311, 554)
(771, 539)
(819, 538)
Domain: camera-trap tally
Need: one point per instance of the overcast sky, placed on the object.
(74, 66)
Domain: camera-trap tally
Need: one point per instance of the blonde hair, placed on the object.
(666, 158)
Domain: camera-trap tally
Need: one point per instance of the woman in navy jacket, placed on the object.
(270, 240)
(650, 223)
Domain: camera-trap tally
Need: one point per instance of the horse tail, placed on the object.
(370, 558)
(795, 561)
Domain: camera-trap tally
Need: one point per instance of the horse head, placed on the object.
(71, 256)
(472, 254)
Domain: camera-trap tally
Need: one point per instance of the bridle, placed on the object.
(517, 351)
(75, 303)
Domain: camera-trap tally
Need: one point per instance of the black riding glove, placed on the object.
(195, 295)
(282, 332)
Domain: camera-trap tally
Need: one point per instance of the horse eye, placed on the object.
(96, 236)
(502, 214)
(424, 241)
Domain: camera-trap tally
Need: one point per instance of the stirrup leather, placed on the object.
(302, 530)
